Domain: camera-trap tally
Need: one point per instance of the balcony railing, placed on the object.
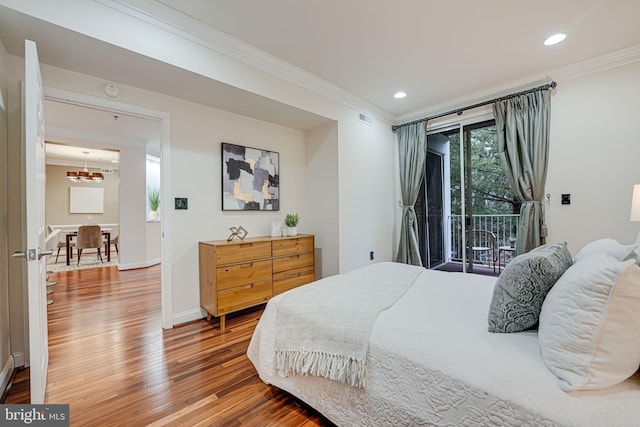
(503, 226)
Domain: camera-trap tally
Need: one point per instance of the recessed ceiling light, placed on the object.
(114, 161)
(555, 39)
(399, 95)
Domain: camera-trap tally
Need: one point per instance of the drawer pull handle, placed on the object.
(245, 245)
(247, 265)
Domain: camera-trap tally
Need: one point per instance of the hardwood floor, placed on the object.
(110, 359)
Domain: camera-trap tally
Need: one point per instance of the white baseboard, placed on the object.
(18, 359)
(135, 265)
(5, 374)
(188, 316)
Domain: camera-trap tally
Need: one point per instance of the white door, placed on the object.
(33, 134)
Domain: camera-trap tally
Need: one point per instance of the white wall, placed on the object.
(197, 132)
(133, 207)
(323, 186)
(153, 243)
(368, 202)
(594, 155)
(57, 197)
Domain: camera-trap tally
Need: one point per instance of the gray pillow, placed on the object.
(521, 288)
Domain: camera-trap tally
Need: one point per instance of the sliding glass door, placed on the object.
(466, 210)
(430, 212)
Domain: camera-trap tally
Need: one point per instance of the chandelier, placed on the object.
(84, 175)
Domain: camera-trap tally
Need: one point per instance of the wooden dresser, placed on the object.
(241, 274)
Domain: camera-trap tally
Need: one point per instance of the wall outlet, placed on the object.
(371, 255)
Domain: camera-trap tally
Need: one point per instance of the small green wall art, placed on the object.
(250, 179)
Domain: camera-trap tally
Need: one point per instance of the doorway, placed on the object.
(81, 188)
(466, 210)
(133, 155)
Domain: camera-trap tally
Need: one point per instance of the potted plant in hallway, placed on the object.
(291, 221)
(153, 195)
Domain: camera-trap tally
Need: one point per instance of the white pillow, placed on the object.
(589, 328)
(608, 246)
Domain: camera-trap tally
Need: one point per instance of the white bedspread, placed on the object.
(323, 328)
(431, 361)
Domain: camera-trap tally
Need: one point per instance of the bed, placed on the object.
(431, 361)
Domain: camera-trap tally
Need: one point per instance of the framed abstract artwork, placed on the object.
(250, 179)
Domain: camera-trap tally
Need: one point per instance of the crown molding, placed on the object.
(194, 31)
(598, 64)
(578, 69)
(475, 98)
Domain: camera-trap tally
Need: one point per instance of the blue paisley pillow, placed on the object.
(521, 288)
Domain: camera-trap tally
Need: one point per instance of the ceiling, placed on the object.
(121, 126)
(436, 51)
(71, 130)
(68, 155)
(69, 50)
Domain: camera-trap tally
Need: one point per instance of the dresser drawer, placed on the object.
(241, 274)
(229, 254)
(231, 276)
(289, 282)
(293, 264)
(292, 246)
(240, 297)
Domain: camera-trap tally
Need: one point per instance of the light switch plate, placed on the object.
(181, 203)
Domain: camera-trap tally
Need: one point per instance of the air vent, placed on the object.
(107, 171)
(367, 120)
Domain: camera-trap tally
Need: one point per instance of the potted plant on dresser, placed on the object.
(291, 221)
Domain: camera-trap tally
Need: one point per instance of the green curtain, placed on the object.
(412, 148)
(522, 124)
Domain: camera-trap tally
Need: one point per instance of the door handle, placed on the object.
(45, 253)
(30, 255)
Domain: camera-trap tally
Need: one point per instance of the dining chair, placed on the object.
(89, 237)
(61, 242)
(52, 240)
(114, 241)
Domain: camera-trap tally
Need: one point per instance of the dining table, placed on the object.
(106, 232)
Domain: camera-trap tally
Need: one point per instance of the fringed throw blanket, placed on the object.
(323, 328)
